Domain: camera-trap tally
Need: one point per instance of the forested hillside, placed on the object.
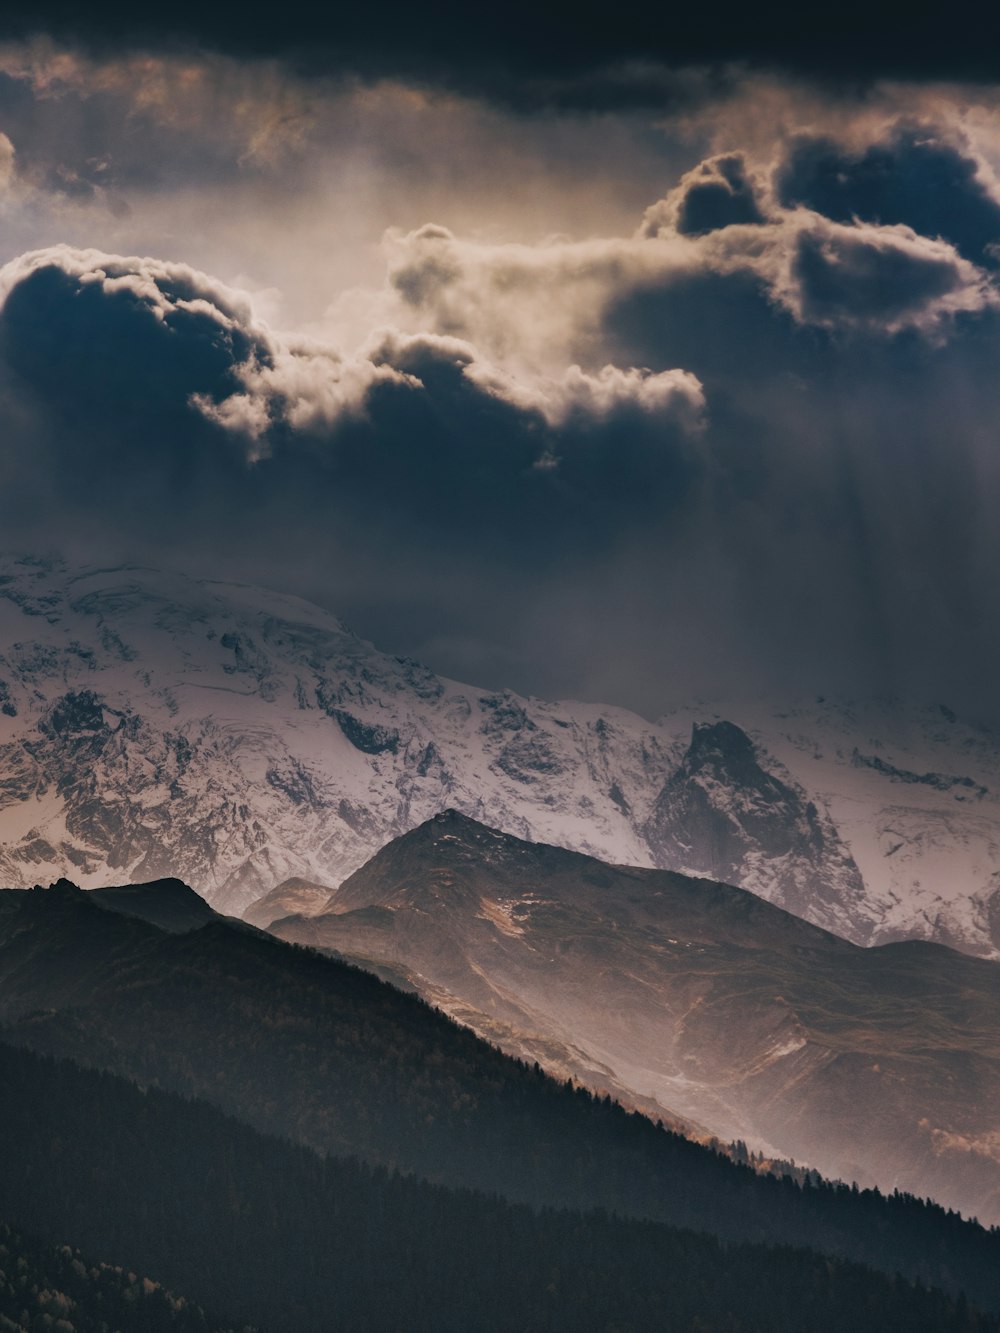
(55, 1287)
(280, 1236)
(300, 1045)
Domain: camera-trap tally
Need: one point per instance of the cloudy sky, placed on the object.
(633, 360)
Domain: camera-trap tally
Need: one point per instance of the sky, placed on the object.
(628, 355)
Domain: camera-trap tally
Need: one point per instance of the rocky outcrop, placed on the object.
(723, 814)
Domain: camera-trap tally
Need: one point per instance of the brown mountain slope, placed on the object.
(879, 1065)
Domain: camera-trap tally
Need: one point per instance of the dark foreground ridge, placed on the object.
(280, 1236)
(167, 903)
(299, 1045)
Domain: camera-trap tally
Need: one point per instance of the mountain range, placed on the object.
(267, 1043)
(879, 1064)
(155, 725)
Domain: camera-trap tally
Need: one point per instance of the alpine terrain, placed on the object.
(154, 725)
(878, 1065)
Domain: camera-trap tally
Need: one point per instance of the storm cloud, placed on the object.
(148, 383)
(719, 192)
(578, 54)
(913, 176)
(639, 466)
(638, 379)
(822, 272)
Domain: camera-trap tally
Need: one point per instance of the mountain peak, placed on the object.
(62, 887)
(466, 835)
(720, 740)
(698, 997)
(726, 807)
(447, 817)
(294, 896)
(451, 821)
(168, 903)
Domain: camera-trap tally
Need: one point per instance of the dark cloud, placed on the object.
(827, 520)
(844, 533)
(90, 127)
(855, 277)
(723, 325)
(97, 340)
(718, 193)
(160, 409)
(914, 177)
(417, 491)
(106, 439)
(579, 52)
(749, 445)
(885, 279)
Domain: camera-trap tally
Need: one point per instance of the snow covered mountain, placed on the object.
(914, 797)
(155, 725)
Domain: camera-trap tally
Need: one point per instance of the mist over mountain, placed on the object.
(155, 725)
(499, 627)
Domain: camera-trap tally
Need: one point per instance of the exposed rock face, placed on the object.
(722, 814)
